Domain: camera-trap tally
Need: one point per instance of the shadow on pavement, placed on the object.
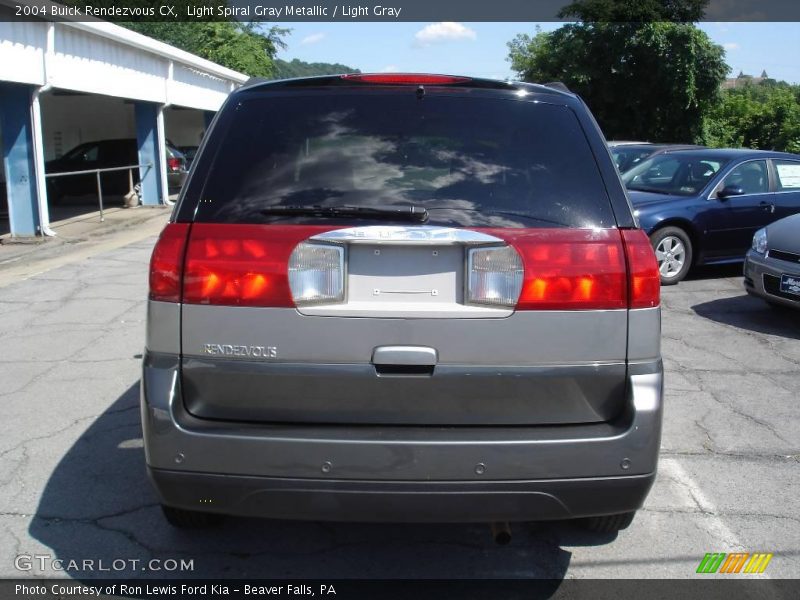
(715, 272)
(752, 314)
(98, 505)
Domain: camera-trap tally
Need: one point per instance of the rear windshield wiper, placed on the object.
(404, 213)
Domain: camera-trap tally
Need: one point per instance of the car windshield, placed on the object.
(679, 174)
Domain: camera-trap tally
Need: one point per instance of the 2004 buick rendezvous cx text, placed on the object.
(403, 298)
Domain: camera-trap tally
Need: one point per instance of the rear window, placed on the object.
(468, 161)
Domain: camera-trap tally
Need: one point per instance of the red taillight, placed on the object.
(569, 269)
(584, 269)
(166, 263)
(405, 78)
(174, 164)
(242, 265)
(644, 278)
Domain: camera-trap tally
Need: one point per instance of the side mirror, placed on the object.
(728, 191)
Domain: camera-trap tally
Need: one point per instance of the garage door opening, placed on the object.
(83, 133)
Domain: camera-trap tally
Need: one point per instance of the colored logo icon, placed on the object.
(736, 562)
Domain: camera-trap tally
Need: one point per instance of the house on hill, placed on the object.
(742, 79)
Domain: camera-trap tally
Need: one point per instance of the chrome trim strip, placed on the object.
(398, 234)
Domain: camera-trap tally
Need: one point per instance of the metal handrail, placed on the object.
(97, 172)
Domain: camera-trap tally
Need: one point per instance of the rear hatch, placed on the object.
(405, 255)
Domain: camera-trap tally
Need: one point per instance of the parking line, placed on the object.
(718, 529)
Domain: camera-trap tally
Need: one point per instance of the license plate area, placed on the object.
(392, 274)
(790, 284)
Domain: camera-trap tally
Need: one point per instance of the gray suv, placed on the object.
(403, 298)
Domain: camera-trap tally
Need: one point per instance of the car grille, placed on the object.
(788, 256)
(772, 285)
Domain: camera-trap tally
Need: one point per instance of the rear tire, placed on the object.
(608, 523)
(190, 519)
(674, 254)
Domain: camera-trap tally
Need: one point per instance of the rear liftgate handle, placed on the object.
(404, 360)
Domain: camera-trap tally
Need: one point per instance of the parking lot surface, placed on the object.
(74, 485)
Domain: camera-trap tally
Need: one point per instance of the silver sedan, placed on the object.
(772, 265)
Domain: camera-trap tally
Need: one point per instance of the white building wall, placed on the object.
(103, 58)
(22, 48)
(97, 65)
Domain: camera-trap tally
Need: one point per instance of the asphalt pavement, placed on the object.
(73, 485)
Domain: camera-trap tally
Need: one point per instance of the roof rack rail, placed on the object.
(254, 81)
(557, 85)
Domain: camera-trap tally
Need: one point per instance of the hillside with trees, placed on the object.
(764, 115)
(298, 68)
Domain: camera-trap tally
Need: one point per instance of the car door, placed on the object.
(739, 216)
(787, 187)
(81, 158)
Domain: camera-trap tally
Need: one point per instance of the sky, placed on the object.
(479, 49)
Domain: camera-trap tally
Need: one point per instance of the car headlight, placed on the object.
(760, 241)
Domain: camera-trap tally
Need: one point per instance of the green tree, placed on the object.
(765, 116)
(651, 81)
(634, 11)
(239, 46)
(243, 46)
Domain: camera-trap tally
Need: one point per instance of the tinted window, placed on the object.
(684, 175)
(119, 152)
(469, 161)
(788, 174)
(750, 176)
(627, 158)
(83, 153)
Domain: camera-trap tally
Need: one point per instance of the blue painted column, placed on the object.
(16, 130)
(147, 137)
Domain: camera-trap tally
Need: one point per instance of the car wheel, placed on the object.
(673, 250)
(608, 523)
(190, 519)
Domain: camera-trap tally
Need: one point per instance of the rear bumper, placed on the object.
(756, 267)
(176, 179)
(341, 472)
(401, 501)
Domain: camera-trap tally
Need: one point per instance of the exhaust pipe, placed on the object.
(501, 533)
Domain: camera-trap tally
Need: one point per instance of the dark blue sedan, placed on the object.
(702, 207)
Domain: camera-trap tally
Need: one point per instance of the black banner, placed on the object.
(732, 588)
(363, 11)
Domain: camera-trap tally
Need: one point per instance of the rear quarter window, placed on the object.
(471, 161)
